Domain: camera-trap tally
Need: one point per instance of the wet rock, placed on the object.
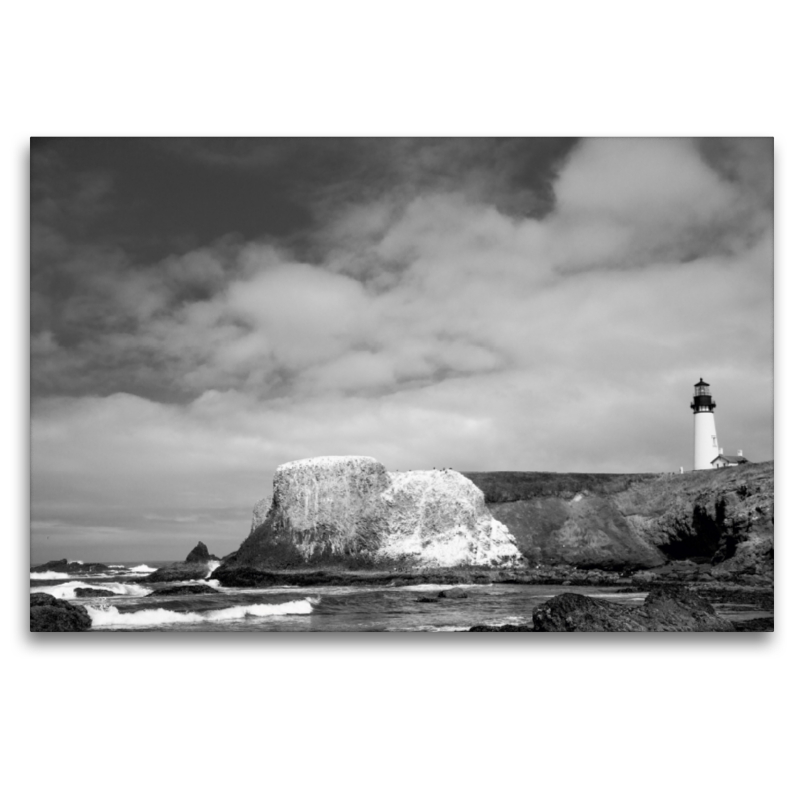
(179, 571)
(759, 624)
(49, 614)
(453, 594)
(192, 588)
(199, 564)
(83, 591)
(500, 629)
(425, 599)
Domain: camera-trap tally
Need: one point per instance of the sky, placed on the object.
(203, 310)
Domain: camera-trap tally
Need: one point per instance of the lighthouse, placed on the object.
(706, 446)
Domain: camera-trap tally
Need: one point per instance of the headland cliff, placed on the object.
(350, 513)
(638, 521)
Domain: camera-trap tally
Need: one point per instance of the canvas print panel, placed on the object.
(402, 385)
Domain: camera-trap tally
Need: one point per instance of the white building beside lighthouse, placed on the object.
(706, 446)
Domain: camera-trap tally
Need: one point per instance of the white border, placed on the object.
(396, 716)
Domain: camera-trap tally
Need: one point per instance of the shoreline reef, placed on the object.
(665, 609)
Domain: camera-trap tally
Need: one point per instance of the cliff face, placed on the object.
(349, 511)
(723, 517)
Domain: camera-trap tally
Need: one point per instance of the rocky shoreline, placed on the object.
(751, 592)
(672, 609)
(712, 588)
(702, 575)
(346, 521)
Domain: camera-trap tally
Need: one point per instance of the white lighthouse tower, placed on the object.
(706, 446)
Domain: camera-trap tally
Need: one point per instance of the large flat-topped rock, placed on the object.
(349, 511)
(330, 506)
(329, 462)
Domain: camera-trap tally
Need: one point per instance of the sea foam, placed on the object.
(110, 617)
(66, 591)
(49, 576)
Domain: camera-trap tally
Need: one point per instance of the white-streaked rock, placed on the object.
(260, 511)
(438, 518)
(350, 510)
(331, 505)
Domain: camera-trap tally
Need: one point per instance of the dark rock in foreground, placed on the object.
(501, 629)
(193, 588)
(87, 592)
(759, 624)
(665, 609)
(200, 554)
(70, 567)
(49, 614)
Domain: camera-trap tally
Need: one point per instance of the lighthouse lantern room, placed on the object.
(706, 446)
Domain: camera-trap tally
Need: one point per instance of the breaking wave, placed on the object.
(212, 565)
(434, 628)
(142, 568)
(153, 617)
(49, 576)
(66, 591)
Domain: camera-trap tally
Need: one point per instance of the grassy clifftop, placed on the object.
(507, 487)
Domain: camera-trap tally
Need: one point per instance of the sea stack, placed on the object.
(200, 554)
(348, 511)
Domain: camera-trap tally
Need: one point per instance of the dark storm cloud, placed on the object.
(481, 304)
(101, 207)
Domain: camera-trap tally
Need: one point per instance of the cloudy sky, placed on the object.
(203, 310)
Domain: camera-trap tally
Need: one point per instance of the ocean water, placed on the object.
(308, 608)
(314, 608)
